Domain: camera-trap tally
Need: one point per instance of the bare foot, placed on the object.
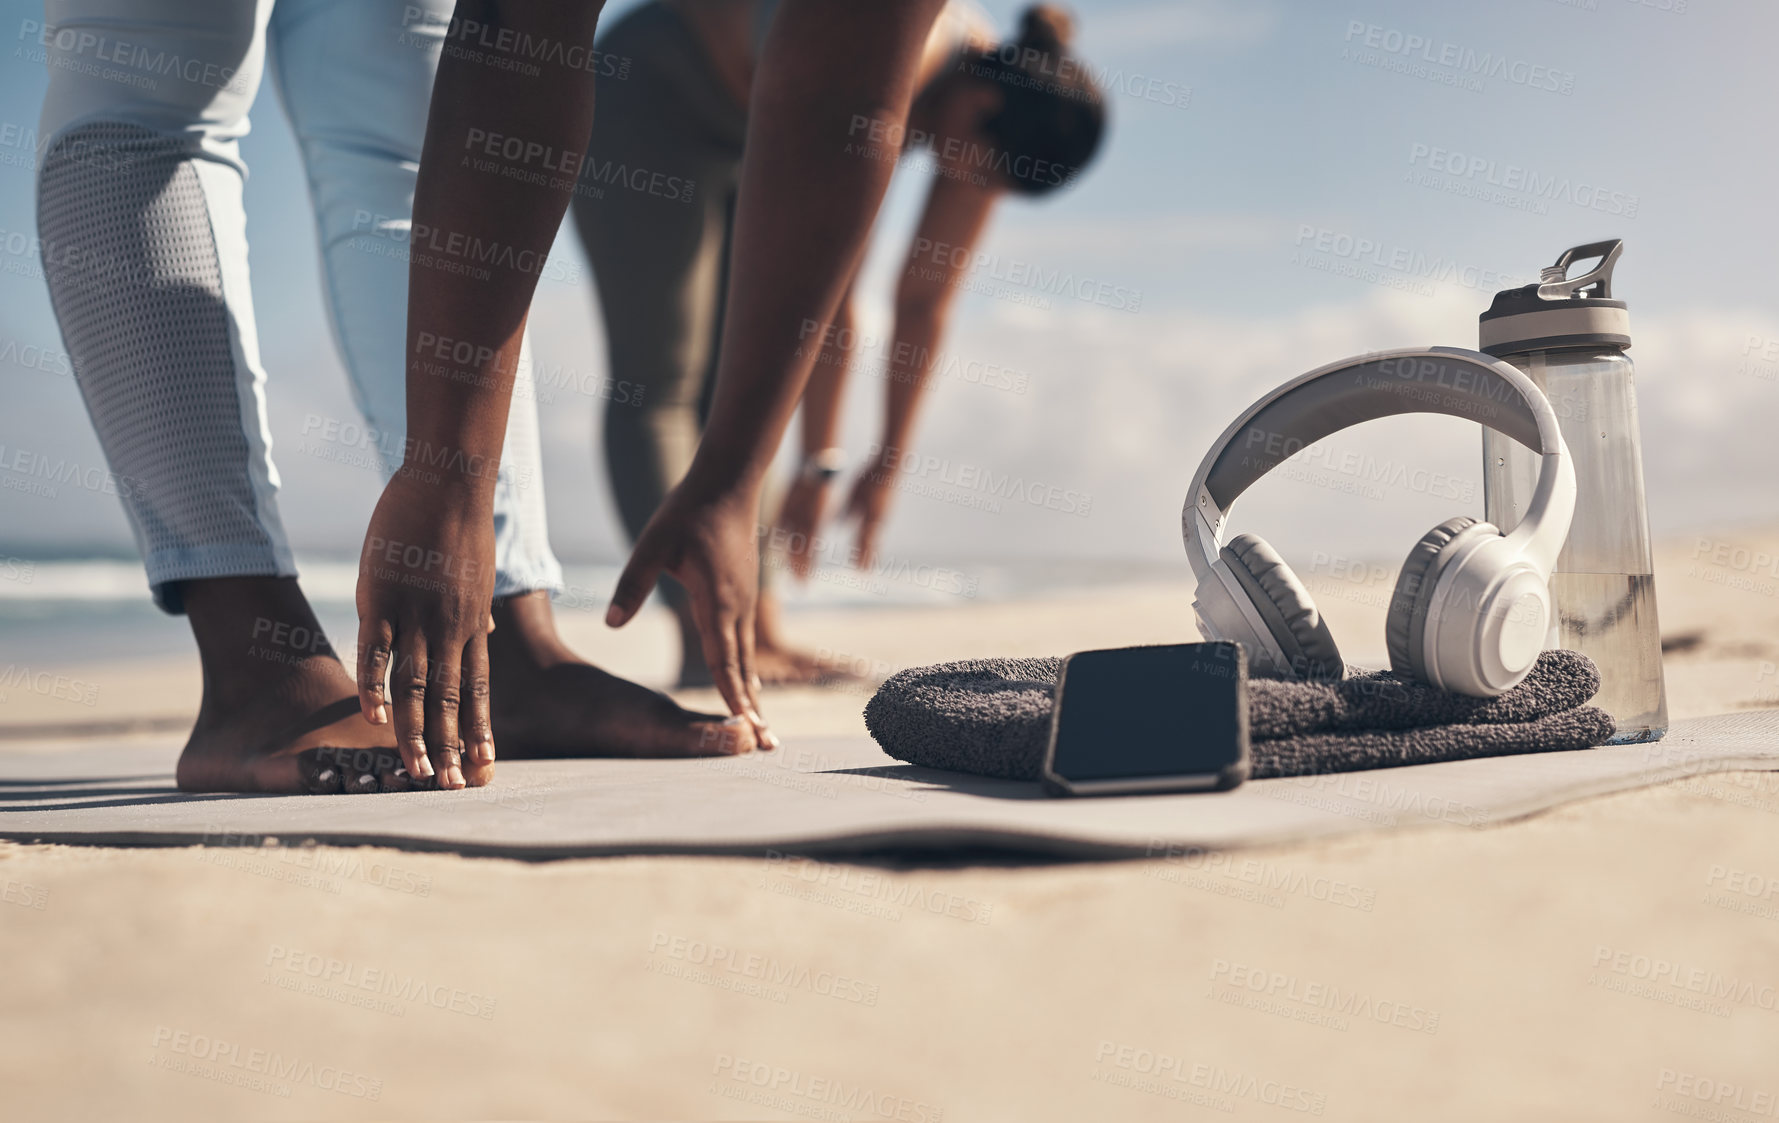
(775, 661)
(280, 713)
(778, 666)
(325, 749)
(549, 702)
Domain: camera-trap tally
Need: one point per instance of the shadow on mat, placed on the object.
(148, 801)
(83, 792)
(961, 782)
(168, 776)
(18, 796)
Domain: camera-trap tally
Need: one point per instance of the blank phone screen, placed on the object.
(1151, 711)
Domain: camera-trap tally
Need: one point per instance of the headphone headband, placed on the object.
(1446, 380)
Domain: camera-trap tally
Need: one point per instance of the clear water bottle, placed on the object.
(1570, 336)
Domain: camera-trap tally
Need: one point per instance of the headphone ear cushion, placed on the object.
(1286, 606)
(1407, 619)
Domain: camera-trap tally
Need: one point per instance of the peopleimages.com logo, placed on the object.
(1453, 64)
(252, 1067)
(1514, 185)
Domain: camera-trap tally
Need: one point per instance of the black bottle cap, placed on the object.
(1561, 311)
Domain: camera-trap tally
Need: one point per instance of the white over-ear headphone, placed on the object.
(1471, 606)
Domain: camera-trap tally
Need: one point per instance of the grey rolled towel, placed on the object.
(991, 717)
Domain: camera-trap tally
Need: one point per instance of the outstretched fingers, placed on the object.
(374, 640)
(475, 722)
(407, 683)
(634, 586)
(444, 697)
(750, 679)
(861, 507)
(711, 550)
(721, 635)
(722, 653)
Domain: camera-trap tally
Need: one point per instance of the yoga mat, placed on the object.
(829, 796)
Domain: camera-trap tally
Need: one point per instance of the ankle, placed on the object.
(252, 633)
(525, 632)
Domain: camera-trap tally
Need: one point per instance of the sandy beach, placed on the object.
(1452, 975)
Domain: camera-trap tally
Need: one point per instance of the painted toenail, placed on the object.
(366, 781)
(325, 775)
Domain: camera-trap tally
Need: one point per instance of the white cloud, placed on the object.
(1139, 238)
(1178, 23)
(1123, 407)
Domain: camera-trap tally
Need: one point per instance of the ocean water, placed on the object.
(76, 610)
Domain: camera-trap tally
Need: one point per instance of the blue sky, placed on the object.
(1329, 187)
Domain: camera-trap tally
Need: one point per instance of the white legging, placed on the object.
(145, 249)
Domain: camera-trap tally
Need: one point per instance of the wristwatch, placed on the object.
(821, 467)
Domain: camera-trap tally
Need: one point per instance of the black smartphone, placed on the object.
(1149, 719)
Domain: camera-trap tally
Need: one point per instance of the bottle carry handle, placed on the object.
(1557, 286)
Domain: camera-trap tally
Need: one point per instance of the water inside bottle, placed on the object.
(1602, 588)
(1610, 617)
